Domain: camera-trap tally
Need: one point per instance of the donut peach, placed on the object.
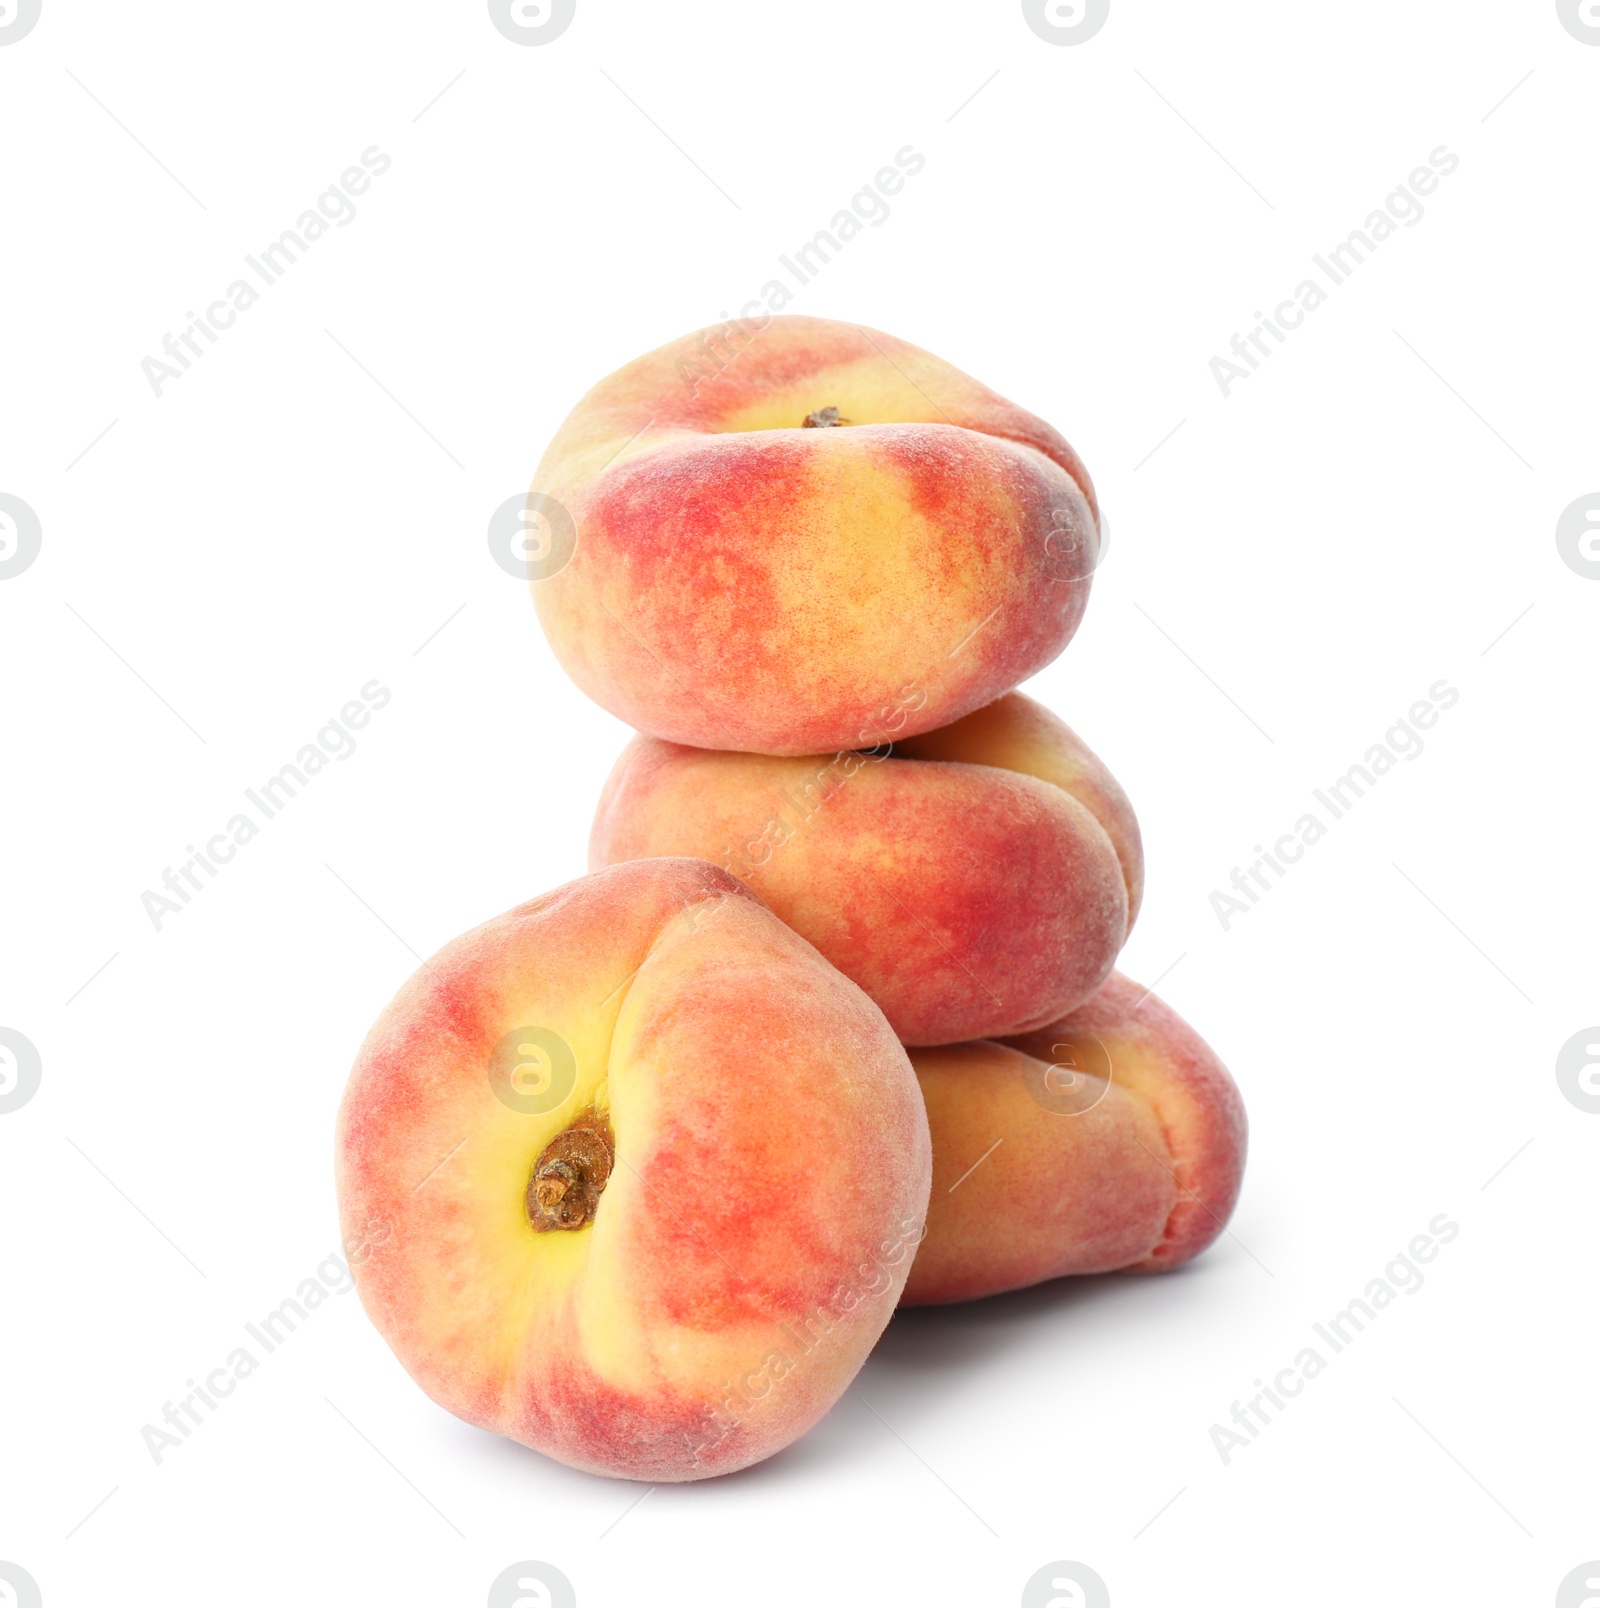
(979, 891)
(1114, 1139)
(777, 535)
(632, 1175)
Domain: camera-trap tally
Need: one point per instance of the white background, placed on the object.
(306, 510)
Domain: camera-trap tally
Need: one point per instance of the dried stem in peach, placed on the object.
(570, 1175)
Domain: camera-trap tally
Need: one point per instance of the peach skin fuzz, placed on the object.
(1114, 1139)
(828, 529)
(978, 887)
(632, 1175)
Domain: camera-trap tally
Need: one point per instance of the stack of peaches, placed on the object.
(637, 1172)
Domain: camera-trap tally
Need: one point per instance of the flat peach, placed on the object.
(732, 578)
(632, 1175)
(1114, 1139)
(969, 900)
(1017, 733)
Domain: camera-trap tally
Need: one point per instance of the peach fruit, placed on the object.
(1017, 733)
(631, 1175)
(979, 891)
(1114, 1139)
(779, 534)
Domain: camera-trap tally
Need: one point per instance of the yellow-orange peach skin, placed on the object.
(980, 891)
(743, 581)
(631, 1175)
(1017, 733)
(1114, 1139)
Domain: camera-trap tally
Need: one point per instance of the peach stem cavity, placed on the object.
(570, 1175)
